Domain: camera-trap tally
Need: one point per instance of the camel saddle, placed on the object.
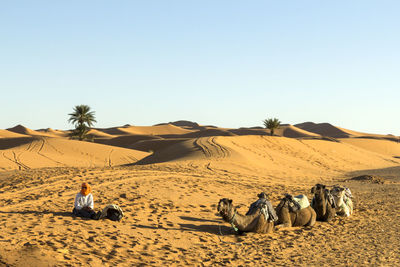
(265, 207)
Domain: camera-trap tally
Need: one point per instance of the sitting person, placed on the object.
(83, 206)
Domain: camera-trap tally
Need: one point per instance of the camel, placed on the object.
(265, 205)
(342, 196)
(244, 223)
(323, 203)
(290, 213)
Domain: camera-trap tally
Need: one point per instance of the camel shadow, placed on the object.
(54, 213)
(186, 218)
(207, 228)
(216, 229)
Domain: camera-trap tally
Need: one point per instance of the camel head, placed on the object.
(262, 195)
(318, 189)
(225, 208)
(338, 193)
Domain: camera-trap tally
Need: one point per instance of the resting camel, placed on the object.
(342, 196)
(323, 203)
(244, 223)
(290, 213)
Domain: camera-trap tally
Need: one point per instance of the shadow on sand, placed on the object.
(390, 173)
(54, 213)
(204, 228)
(216, 228)
(193, 219)
(208, 228)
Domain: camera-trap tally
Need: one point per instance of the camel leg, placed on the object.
(240, 232)
(313, 219)
(283, 225)
(311, 222)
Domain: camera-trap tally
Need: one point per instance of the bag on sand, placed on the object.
(112, 212)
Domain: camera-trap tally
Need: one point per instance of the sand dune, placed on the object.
(26, 131)
(99, 134)
(146, 130)
(324, 129)
(250, 131)
(27, 153)
(170, 209)
(126, 141)
(244, 146)
(284, 130)
(9, 134)
(6, 143)
(184, 124)
(190, 125)
(205, 133)
(294, 132)
(384, 147)
(170, 196)
(278, 155)
(193, 149)
(54, 133)
(330, 130)
(155, 144)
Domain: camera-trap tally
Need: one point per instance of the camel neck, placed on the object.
(232, 222)
(242, 222)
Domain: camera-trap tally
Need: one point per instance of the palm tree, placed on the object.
(83, 119)
(272, 124)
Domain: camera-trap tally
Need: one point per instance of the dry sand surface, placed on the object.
(36, 152)
(169, 196)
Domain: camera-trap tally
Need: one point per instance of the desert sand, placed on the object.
(168, 180)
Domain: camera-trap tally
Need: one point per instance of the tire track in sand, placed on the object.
(41, 146)
(19, 164)
(221, 150)
(198, 143)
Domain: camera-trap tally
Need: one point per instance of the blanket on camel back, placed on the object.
(302, 201)
(265, 208)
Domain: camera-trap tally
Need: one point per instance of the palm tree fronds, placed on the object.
(83, 119)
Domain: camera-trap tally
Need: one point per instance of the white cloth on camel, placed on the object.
(302, 200)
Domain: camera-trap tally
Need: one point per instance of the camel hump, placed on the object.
(263, 206)
(302, 200)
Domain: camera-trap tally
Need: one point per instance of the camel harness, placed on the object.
(231, 222)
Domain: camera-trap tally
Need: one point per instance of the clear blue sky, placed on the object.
(225, 63)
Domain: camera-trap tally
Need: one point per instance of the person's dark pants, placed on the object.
(86, 213)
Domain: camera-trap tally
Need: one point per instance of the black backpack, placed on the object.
(114, 214)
